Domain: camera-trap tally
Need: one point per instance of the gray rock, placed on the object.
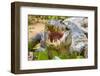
(40, 49)
(38, 39)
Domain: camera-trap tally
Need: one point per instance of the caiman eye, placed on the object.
(67, 28)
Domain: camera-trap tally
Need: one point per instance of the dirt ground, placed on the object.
(34, 29)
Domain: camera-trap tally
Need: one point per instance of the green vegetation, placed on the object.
(32, 19)
(50, 52)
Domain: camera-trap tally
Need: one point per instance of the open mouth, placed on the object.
(54, 36)
(55, 32)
